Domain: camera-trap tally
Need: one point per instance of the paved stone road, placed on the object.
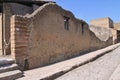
(106, 67)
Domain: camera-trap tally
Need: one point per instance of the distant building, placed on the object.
(117, 28)
(104, 22)
(108, 23)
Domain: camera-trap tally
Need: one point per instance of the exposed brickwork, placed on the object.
(19, 39)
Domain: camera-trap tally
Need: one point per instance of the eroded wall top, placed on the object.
(102, 33)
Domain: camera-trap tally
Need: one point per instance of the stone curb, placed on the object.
(6, 61)
(53, 71)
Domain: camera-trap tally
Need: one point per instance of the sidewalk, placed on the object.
(52, 71)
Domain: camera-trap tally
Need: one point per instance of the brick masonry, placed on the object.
(19, 39)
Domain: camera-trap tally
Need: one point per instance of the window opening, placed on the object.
(82, 28)
(66, 23)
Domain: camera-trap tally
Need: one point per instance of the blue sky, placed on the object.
(92, 9)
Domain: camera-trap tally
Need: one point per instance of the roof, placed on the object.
(28, 2)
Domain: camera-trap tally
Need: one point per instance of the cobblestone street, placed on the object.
(106, 67)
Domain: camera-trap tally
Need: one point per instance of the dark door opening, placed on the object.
(5, 30)
(118, 36)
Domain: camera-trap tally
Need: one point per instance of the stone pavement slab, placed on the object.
(100, 69)
(116, 74)
(52, 71)
(10, 75)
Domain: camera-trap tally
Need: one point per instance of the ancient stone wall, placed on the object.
(48, 40)
(100, 37)
(117, 26)
(102, 22)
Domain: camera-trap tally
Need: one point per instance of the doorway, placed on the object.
(118, 36)
(5, 48)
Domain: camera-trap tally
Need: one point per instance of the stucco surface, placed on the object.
(50, 42)
(102, 33)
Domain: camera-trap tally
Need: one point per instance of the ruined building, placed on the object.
(108, 23)
(39, 33)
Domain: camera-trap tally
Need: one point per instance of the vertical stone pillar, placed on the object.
(19, 40)
(1, 35)
(6, 28)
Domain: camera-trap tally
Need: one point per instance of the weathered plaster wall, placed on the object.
(102, 33)
(54, 43)
(48, 41)
(100, 37)
(0, 34)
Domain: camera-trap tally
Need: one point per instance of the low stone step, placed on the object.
(11, 75)
(8, 68)
(6, 61)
